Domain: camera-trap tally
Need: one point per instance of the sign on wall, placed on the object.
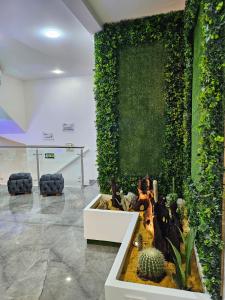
(49, 155)
(68, 127)
(47, 136)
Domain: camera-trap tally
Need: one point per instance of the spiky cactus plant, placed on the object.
(151, 264)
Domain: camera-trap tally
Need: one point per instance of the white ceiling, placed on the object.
(117, 10)
(26, 54)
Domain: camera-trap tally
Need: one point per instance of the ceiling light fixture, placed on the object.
(57, 71)
(52, 33)
(68, 279)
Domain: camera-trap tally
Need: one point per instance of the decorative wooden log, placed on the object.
(159, 241)
(148, 219)
(148, 183)
(116, 199)
(140, 205)
(173, 234)
(162, 213)
(166, 227)
(175, 216)
(142, 202)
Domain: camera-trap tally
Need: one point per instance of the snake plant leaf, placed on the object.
(190, 239)
(179, 277)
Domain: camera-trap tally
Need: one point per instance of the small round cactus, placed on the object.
(151, 264)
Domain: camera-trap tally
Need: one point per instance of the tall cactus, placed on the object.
(151, 264)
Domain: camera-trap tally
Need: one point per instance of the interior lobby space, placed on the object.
(112, 182)
(43, 251)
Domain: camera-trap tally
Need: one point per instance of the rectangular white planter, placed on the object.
(105, 225)
(122, 290)
(119, 226)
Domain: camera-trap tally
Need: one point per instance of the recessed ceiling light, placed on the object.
(57, 71)
(68, 279)
(52, 33)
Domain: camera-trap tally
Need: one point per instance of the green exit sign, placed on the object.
(50, 155)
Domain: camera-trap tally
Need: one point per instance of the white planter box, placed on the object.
(119, 226)
(105, 225)
(121, 290)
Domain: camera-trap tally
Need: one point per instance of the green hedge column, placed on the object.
(162, 157)
(196, 89)
(204, 198)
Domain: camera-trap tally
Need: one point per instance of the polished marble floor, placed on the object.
(43, 254)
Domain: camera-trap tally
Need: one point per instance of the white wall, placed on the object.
(12, 99)
(11, 160)
(6, 142)
(51, 102)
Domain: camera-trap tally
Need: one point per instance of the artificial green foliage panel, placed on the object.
(204, 198)
(196, 89)
(141, 108)
(190, 20)
(111, 43)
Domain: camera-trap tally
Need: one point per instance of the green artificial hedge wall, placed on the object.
(110, 44)
(204, 198)
(141, 109)
(196, 89)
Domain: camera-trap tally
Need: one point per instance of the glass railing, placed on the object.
(40, 160)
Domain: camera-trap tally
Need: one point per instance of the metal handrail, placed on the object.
(72, 161)
(37, 147)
